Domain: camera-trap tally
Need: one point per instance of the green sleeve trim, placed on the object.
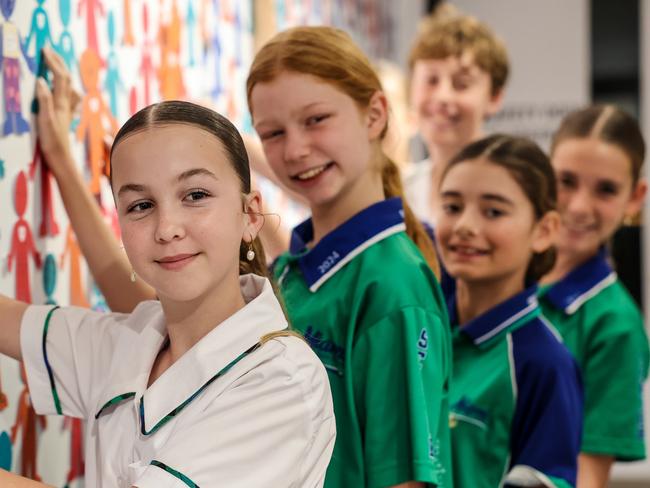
(50, 373)
(174, 473)
(115, 401)
(621, 449)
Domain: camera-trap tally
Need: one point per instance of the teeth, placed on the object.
(311, 173)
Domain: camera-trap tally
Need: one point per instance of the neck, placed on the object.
(565, 262)
(473, 299)
(188, 322)
(366, 191)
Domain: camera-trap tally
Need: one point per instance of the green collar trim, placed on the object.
(174, 473)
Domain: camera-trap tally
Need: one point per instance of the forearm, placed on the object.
(107, 262)
(9, 480)
(11, 316)
(593, 470)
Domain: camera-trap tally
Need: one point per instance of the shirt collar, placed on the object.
(581, 284)
(240, 332)
(340, 246)
(502, 318)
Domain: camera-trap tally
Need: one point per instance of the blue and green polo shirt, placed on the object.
(369, 305)
(515, 401)
(603, 328)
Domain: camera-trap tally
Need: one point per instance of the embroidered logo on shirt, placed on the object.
(423, 344)
(326, 349)
(463, 409)
(328, 262)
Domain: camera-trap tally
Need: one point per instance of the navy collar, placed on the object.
(336, 249)
(502, 318)
(582, 283)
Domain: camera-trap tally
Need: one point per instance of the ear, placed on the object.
(635, 204)
(377, 115)
(495, 103)
(545, 231)
(253, 216)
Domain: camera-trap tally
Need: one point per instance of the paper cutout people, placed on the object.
(27, 422)
(170, 73)
(22, 243)
(39, 31)
(11, 50)
(65, 46)
(113, 81)
(128, 39)
(49, 279)
(147, 69)
(93, 9)
(94, 113)
(73, 253)
(77, 464)
(49, 226)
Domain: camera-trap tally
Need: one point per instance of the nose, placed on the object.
(169, 226)
(579, 202)
(444, 92)
(467, 224)
(296, 145)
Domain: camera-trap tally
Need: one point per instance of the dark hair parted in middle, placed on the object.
(531, 169)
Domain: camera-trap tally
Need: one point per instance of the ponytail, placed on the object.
(392, 182)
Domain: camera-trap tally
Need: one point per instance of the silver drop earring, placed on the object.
(250, 255)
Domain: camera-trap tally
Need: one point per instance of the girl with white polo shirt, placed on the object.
(204, 387)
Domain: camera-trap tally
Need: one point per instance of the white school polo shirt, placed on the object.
(218, 417)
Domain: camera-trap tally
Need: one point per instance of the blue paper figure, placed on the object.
(5, 451)
(190, 25)
(2, 169)
(40, 32)
(215, 44)
(65, 46)
(49, 279)
(113, 81)
(11, 48)
(98, 301)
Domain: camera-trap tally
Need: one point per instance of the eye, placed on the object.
(494, 213)
(607, 188)
(451, 208)
(196, 195)
(272, 134)
(462, 83)
(567, 181)
(433, 80)
(315, 119)
(139, 207)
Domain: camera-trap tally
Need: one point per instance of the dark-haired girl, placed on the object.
(203, 387)
(516, 401)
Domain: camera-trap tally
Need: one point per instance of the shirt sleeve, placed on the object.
(614, 370)
(66, 353)
(402, 366)
(274, 426)
(547, 425)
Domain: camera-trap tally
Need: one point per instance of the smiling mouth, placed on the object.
(312, 173)
(175, 262)
(467, 250)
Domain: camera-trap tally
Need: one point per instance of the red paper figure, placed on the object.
(26, 421)
(170, 74)
(71, 250)
(77, 465)
(128, 39)
(93, 7)
(91, 124)
(3, 398)
(49, 225)
(22, 243)
(147, 69)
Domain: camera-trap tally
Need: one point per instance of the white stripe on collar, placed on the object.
(590, 293)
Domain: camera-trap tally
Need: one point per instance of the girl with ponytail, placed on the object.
(358, 280)
(204, 386)
(516, 397)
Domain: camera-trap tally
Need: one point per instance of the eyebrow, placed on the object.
(256, 125)
(137, 188)
(485, 196)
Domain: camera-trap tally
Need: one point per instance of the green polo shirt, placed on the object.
(372, 310)
(603, 328)
(516, 399)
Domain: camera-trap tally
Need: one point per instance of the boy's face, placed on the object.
(450, 98)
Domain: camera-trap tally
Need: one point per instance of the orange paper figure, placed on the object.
(128, 39)
(77, 464)
(22, 243)
(94, 112)
(72, 251)
(27, 422)
(49, 225)
(170, 74)
(147, 69)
